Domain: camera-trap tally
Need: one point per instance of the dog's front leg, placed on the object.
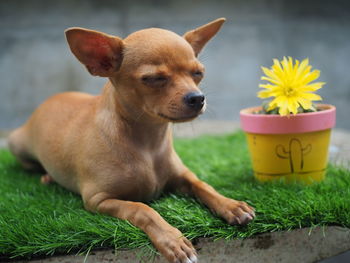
(233, 211)
(169, 241)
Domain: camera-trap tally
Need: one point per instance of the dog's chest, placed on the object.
(142, 178)
(153, 176)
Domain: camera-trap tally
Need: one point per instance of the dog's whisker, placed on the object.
(210, 111)
(204, 57)
(206, 93)
(192, 127)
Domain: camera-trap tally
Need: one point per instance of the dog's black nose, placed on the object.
(194, 100)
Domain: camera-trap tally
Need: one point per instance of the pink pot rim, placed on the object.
(299, 123)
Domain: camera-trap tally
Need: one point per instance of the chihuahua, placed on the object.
(116, 149)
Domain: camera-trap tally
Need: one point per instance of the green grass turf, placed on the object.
(37, 220)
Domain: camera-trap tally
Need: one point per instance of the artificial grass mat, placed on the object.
(38, 220)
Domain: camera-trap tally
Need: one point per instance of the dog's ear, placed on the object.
(102, 54)
(201, 35)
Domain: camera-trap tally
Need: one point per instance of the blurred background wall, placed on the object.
(35, 61)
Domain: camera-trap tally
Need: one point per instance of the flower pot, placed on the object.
(291, 148)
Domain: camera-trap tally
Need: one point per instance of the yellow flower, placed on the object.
(290, 85)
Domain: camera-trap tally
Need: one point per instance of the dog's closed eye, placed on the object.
(197, 74)
(155, 80)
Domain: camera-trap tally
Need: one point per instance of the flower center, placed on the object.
(289, 91)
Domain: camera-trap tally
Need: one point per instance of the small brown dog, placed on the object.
(116, 149)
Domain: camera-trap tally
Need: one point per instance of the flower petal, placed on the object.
(277, 68)
(283, 111)
(282, 103)
(296, 67)
(306, 104)
(312, 87)
(274, 103)
(270, 74)
(310, 77)
(311, 96)
(293, 105)
(265, 94)
(277, 82)
(285, 65)
(303, 66)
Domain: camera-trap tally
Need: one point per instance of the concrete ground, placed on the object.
(302, 245)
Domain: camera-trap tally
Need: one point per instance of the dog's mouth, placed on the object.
(178, 119)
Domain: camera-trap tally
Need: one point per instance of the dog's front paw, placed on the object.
(175, 247)
(235, 212)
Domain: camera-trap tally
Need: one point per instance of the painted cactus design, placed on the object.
(295, 153)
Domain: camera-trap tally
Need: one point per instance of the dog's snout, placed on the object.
(194, 100)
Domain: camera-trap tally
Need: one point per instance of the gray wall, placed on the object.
(35, 61)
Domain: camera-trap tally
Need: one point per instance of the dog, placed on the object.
(116, 149)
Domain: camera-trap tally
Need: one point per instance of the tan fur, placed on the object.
(116, 149)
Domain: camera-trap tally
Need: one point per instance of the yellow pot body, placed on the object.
(300, 157)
